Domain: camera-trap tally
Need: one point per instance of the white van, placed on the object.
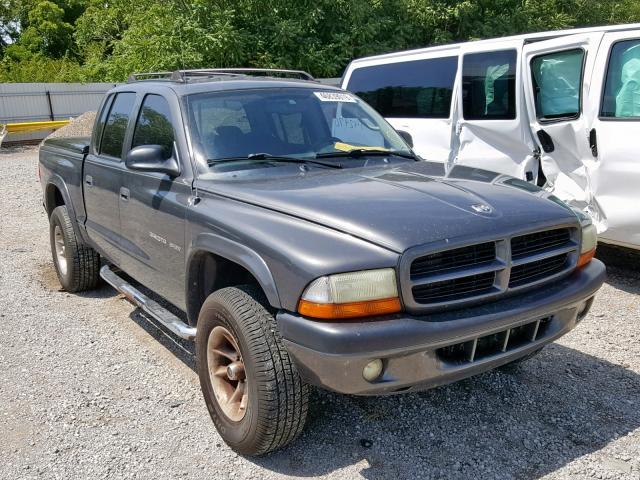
(561, 109)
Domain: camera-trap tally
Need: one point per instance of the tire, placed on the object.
(276, 402)
(77, 264)
(517, 363)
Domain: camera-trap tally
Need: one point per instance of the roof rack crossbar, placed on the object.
(135, 77)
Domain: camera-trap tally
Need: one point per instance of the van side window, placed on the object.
(557, 81)
(489, 85)
(622, 86)
(116, 126)
(415, 89)
(154, 125)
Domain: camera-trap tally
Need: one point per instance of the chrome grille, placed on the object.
(481, 271)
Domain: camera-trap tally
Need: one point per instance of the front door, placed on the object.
(491, 129)
(102, 177)
(614, 133)
(153, 207)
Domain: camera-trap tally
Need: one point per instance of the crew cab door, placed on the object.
(102, 175)
(490, 123)
(556, 76)
(614, 137)
(153, 205)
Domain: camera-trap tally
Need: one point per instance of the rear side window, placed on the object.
(557, 81)
(489, 85)
(97, 134)
(154, 125)
(416, 89)
(116, 125)
(622, 86)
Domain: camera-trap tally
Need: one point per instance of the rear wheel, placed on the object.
(77, 264)
(254, 394)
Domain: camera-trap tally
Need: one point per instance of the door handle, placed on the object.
(88, 180)
(124, 194)
(546, 141)
(593, 142)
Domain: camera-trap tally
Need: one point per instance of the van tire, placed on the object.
(277, 399)
(77, 264)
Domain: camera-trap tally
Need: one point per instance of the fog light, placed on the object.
(372, 370)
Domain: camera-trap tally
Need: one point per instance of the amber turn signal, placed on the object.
(586, 258)
(334, 311)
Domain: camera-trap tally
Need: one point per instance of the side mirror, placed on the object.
(406, 136)
(150, 158)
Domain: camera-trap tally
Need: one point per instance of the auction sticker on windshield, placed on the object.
(334, 97)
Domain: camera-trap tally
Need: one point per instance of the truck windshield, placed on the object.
(262, 125)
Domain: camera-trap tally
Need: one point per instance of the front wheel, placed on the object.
(254, 394)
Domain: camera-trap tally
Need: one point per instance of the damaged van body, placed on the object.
(560, 109)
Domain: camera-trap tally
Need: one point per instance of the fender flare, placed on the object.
(237, 253)
(60, 184)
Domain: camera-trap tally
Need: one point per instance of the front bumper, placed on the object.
(427, 351)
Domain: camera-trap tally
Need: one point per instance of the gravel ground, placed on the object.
(91, 389)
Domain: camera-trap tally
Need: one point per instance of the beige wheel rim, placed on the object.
(60, 249)
(227, 373)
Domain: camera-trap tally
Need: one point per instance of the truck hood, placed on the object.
(403, 206)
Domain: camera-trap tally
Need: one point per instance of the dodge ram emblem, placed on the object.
(481, 208)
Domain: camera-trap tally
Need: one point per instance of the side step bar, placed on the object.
(157, 311)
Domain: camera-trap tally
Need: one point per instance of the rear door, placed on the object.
(556, 77)
(614, 133)
(102, 175)
(490, 122)
(153, 205)
(414, 94)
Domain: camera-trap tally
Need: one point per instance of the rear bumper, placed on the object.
(424, 352)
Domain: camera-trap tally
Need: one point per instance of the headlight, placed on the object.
(350, 295)
(589, 238)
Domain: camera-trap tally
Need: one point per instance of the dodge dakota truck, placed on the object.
(293, 234)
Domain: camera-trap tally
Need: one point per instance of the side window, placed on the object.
(97, 134)
(557, 82)
(415, 89)
(489, 85)
(116, 125)
(154, 125)
(621, 97)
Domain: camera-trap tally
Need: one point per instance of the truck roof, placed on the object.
(186, 82)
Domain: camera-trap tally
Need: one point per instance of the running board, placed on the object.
(157, 311)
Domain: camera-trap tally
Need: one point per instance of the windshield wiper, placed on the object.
(364, 152)
(275, 158)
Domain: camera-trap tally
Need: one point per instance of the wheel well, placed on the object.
(53, 198)
(209, 272)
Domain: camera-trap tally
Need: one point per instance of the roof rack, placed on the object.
(186, 75)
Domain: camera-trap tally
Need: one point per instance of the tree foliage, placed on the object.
(99, 40)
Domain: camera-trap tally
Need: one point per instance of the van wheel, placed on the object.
(254, 394)
(77, 264)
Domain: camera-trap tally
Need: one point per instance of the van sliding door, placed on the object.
(490, 126)
(556, 76)
(614, 138)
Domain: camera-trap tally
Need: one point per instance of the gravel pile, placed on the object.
(80, 126)
(89, 388)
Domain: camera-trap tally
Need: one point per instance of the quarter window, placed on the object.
(116, 126)
(154, 125)
(489, 85)
(557, 81)
(622, 86)
(415, 89)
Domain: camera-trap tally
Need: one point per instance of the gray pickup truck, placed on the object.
(293, 234)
